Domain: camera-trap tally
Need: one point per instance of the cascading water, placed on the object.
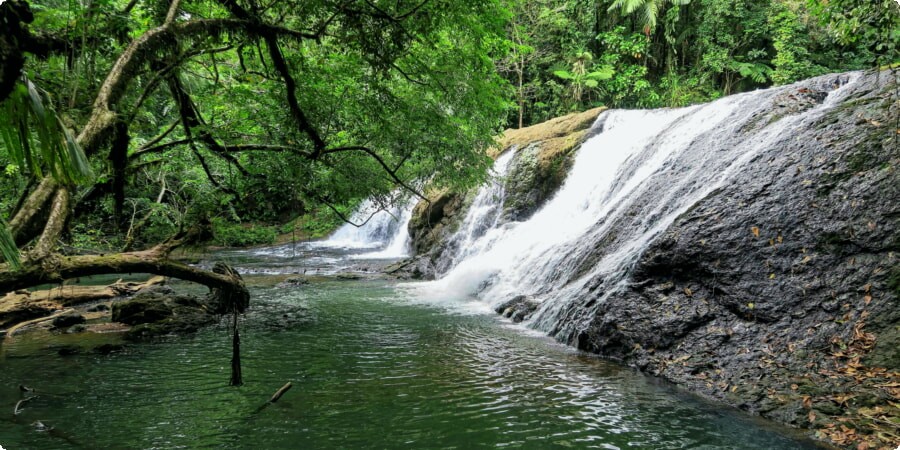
(483, 214)
(384, 230)
(628, 184)
(382, 234)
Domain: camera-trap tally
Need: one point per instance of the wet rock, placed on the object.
(160, 310)
(102, 307)
(753, 294)
(68, 319)
(535, 174)
(294, 282)
(775, 272)
(431, 223)
(80, 328)
(348, 276)
(518, 308)
(67, 350)
(106, 349)
(415, 268)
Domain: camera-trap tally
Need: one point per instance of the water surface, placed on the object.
(370, 370)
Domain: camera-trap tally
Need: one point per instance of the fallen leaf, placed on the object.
(755, 231)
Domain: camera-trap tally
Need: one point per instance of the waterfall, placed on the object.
(630, 181)
(479, 227)
(383, 230)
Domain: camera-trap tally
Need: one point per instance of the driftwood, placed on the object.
(17, 410)
(20, 307)
(287, 386)
(277, 395)
(78, 294)
(15, 328)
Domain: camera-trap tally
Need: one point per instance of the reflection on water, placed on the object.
(370, 371)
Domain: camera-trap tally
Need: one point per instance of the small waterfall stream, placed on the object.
(382, 229)
(638, 173)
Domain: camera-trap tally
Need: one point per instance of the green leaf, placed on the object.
(604, 73)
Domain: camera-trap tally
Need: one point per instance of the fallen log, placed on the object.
(20, 306)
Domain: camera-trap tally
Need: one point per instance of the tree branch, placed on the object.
(60, 268)
(380, 160)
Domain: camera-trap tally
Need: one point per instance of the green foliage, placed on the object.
(55, 147)
(625, 53)
(792, 57)
(869, 29)
(319, 223)
(94, 237)
(228, 234)
(646, 11)
(675, 53)
(403, 85)
(584, 76)
(8, 250)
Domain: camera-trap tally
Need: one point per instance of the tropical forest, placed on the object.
(436, 224)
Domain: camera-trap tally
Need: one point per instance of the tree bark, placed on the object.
(57, 268)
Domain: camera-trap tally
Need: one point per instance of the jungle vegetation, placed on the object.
(131, 127)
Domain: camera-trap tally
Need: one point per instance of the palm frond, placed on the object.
(8, 250)
(55, 147)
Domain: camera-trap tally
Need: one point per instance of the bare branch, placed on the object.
(380, 160)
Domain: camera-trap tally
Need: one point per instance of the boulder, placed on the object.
(67, 320)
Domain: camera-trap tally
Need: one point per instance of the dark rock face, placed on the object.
(432, 223)
(767, 290)
(534, 176)
(159, 311)
(779, 291)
